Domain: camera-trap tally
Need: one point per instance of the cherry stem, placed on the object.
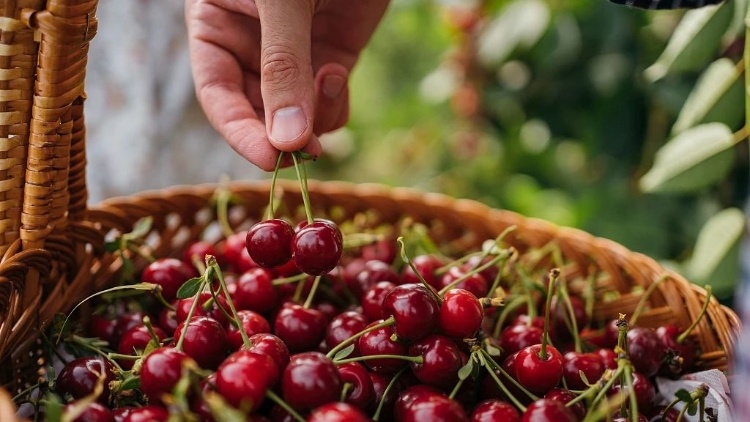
(150, 328)
(387, 391)
(344, 344)
(474, 271)
(570, 321)
(357, 240)
(284, 405)
(191, 312)
(289, 280)
(627, 377)
(610, 382)
(513, 381)
(270, 212)
(501, 270)
(211, 264)
(345, 391)
(408, 261)
(553, 274)
(622, 337)
(299, 167)
(223, 197)
(311, 295)
(509, 307)
(491, 366)
(456, 388)
(641, 306)
(697, 319)
(412, 359)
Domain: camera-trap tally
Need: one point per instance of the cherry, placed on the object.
(149, 413)
(474, 283)
(538, 371)
(94, 412)
(379, 384)
(619, 417)
(645, 392)
(161, 370)
(495, 410)
(372, 272)
(317, 247)
(427, 265)
(645, 350)
(205, 299)
(299, 327)
(199, 249)
(489, 274)
(310, 380)
(564, 396)
(409, 395)
(372, 300)
(235, 253)
(384, 250)
(125, 322)
(122, 412)
(661, 414)
(344, 326)
(255, 291)
(170, 274)
(546, 410)
(589, 363)
(205, 341)
(337, 412)
(271, 346)
(441, 360)
(380, 342)
(78, 378)
(669, 335)
(252, 323)
(516, 337)
(103, 327)
(361, 392)
(434, 407)
(414, 310)
(460, 316)
(611, 334)
(269, 242)
(168, 319)
(244, 377)
(135, 341)
(609, 358)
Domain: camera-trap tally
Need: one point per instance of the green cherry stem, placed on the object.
(271, 211)
(311, 295)
(302, 178)
(284, 405)
(388, 388)
(494, 261)
(491, 366)
(344, 344)
(212, 265)
(571, 319)
(223, 197)
(510, 306)
(488, 358)
(193, 307)
(553, 275)
(641, 306)
(627, 375)
(411, 359)
(408, 261)
(697, 319)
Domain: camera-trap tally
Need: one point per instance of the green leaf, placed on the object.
(141, 228)
(683, 395)
(466, 370)
(53, 408)
(112, 246)
(692, 409)
(343, 353)
(694, 42)
(190, 288)
(518, 26)
(715, 259)
(694, 159)
(714, 98)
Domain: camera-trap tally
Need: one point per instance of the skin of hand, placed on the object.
(272, 75)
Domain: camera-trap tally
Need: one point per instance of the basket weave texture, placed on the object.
(51, 242)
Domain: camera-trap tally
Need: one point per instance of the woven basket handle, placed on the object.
(43, 54)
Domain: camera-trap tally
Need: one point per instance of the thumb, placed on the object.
(286, 75)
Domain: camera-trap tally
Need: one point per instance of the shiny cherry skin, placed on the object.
(103, 326)
(493, 410)
(645, 392)
(207, 306)
(546, 410)
(310, 380)
(361, 392)
(244, 377)
(135, 341)
(252, 322)
(317, 247)
(342, 327)
(269, 242)
(205, 341)
(441, 360)
(148, 413)
(564, 396)
(170, 274)
(589, 363)
(646, 350)
(687, 350)
(539, 374)
(235, 253)
(125, 322)
(516, 337)
(255, 291)
(199, 249)
(489, 274)
(434, 407)
(474, 283)
(338, 412)
(161, 370)
(371, 273)
(94, 412)
(300, 328)
(414, 309)
(409, 395)
(609, 357)
(379, 384)
(168, 318)
(380, 342)
(427, 265)
(372, 300)
(460, 316)
(79, 377)
(271, 346)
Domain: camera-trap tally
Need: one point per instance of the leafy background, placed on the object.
(625, 123)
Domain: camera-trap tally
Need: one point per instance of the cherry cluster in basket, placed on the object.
(291, 324)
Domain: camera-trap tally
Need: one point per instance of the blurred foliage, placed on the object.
(539, 107)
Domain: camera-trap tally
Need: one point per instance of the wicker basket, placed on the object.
(51, 242)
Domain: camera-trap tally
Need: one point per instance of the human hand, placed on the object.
(271, 75)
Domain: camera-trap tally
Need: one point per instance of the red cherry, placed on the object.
(344, 326)
(379, 384)
(380, 342)
(589, 363)
(135, 341)
(687, 350)
(125, 322)
(645, 350)
(516, 337)
(372, 300)
(495, 410)
(414, 309)
(539, 374)
(205, 298)
(409, 395)
(244, 377)
(94, 412)
(609, 358)
(170, 274)
(103, 327)
(661, 414)
(199, 249)
(361, 392)
(299, 327)
(434, 407)
(645, 392)
(310, 380)
(271, 346)
(384, 250)
(255, 291)
(317, 247)
(205, 341)
(371, 273)
(489, 274)
(618, 417)
(441, 360)
(148, 413)
(78, 378)
(460, 315)
(337, 412)
(564, 396)
(235, 253)
(427, 265)
(546, 410)
(168, 319)
(252, 323)
(474, 283)
(269, 242)
(161, 370)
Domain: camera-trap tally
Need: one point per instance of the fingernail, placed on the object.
(288, 124)
(333, 85)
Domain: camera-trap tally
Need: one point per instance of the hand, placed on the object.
(271, 75)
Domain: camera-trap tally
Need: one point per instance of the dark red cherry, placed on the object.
(379, 383)
(460, 315)
(342, 327)
(338, 412)
(687, 350)
(360, 391)
(161, 370)
(564, 396)
(371, 273)
(244, 377)
(103, 327)
(252, 323)
(661, 414)
(546, 410)
(170, 274)
(589, 363)
(78, 378)
(310, 380)
(384, 250)
(317, 247)
(135, 340)
(427, 265)
(272, 346)
(199, 249)
(299, 327)
(235, 253)
(516, 337)
(94, 412)
(148, 413)
(609, 358)
(125, 322)
(539, 374)
(269, 242)
(646, 350)
(441, 360)
(489, 274)
(205, 341)
(645, 392)
(409, 395)
(380, 342)
(493, 410)
(434, 407)
(255, 291)
(474, 283)
(414, 309)
(372, 300)
(168, 318)
(207, 306)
